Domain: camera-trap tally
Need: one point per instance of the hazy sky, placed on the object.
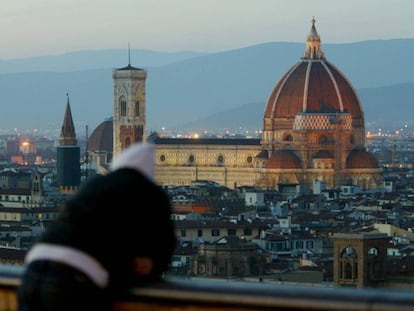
(45, 27)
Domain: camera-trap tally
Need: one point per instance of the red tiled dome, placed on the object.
(313, 85)
(101, 138)
(283, 159)
(360, 158)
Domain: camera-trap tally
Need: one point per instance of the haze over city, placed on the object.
(53, 48)
(46, 27)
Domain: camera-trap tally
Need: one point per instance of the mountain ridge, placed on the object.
(187, 88)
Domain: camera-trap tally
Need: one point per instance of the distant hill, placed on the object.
(196, 90)
(380, 108)
(93, 59)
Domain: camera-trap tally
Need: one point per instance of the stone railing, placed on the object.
(188, 294)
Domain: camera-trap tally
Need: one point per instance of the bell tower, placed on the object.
(359, 259)
(129, 107)
(68, 155)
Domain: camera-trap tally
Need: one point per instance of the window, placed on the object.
(199, 233)
(348, 271)
(373, 251)
(231, 232)
(247, 231)
(137, 106)
(122, 107)
(215, 232)
(323, 139)
(127, 142)
(183, 233)
(162, 158)
(309, 244)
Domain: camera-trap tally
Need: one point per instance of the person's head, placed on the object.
(129, 196)
(141, 158)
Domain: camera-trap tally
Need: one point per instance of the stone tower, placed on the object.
(68, 155)
(359, 259)
(129, 107)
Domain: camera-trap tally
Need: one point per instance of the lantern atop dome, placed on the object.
(313, 44)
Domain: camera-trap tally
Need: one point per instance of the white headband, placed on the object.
(138, 156)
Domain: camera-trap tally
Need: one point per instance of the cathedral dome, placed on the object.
(360, 159)
(101, 137)
(283, 159)
(311, 86)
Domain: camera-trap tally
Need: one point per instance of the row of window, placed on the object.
(323, 139)
(14, 198)
(216, 232)
(219, 159)
(123, 107)
(288, 245)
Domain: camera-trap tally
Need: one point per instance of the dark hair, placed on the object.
(117, 217)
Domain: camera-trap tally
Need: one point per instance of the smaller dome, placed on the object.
(101, 138)
(283, 159)
(360, 158)
(262, 155)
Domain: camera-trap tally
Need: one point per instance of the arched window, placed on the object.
(122, 107)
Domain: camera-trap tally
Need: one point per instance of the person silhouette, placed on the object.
(114, 233)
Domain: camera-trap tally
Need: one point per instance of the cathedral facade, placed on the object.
(313, 128)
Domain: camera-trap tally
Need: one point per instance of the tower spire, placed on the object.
(67, 134)
(129, 55)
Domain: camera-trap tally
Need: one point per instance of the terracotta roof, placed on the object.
(360, 158)
(283, 159)
(101, 138)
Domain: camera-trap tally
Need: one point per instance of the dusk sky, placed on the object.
(48, 27)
